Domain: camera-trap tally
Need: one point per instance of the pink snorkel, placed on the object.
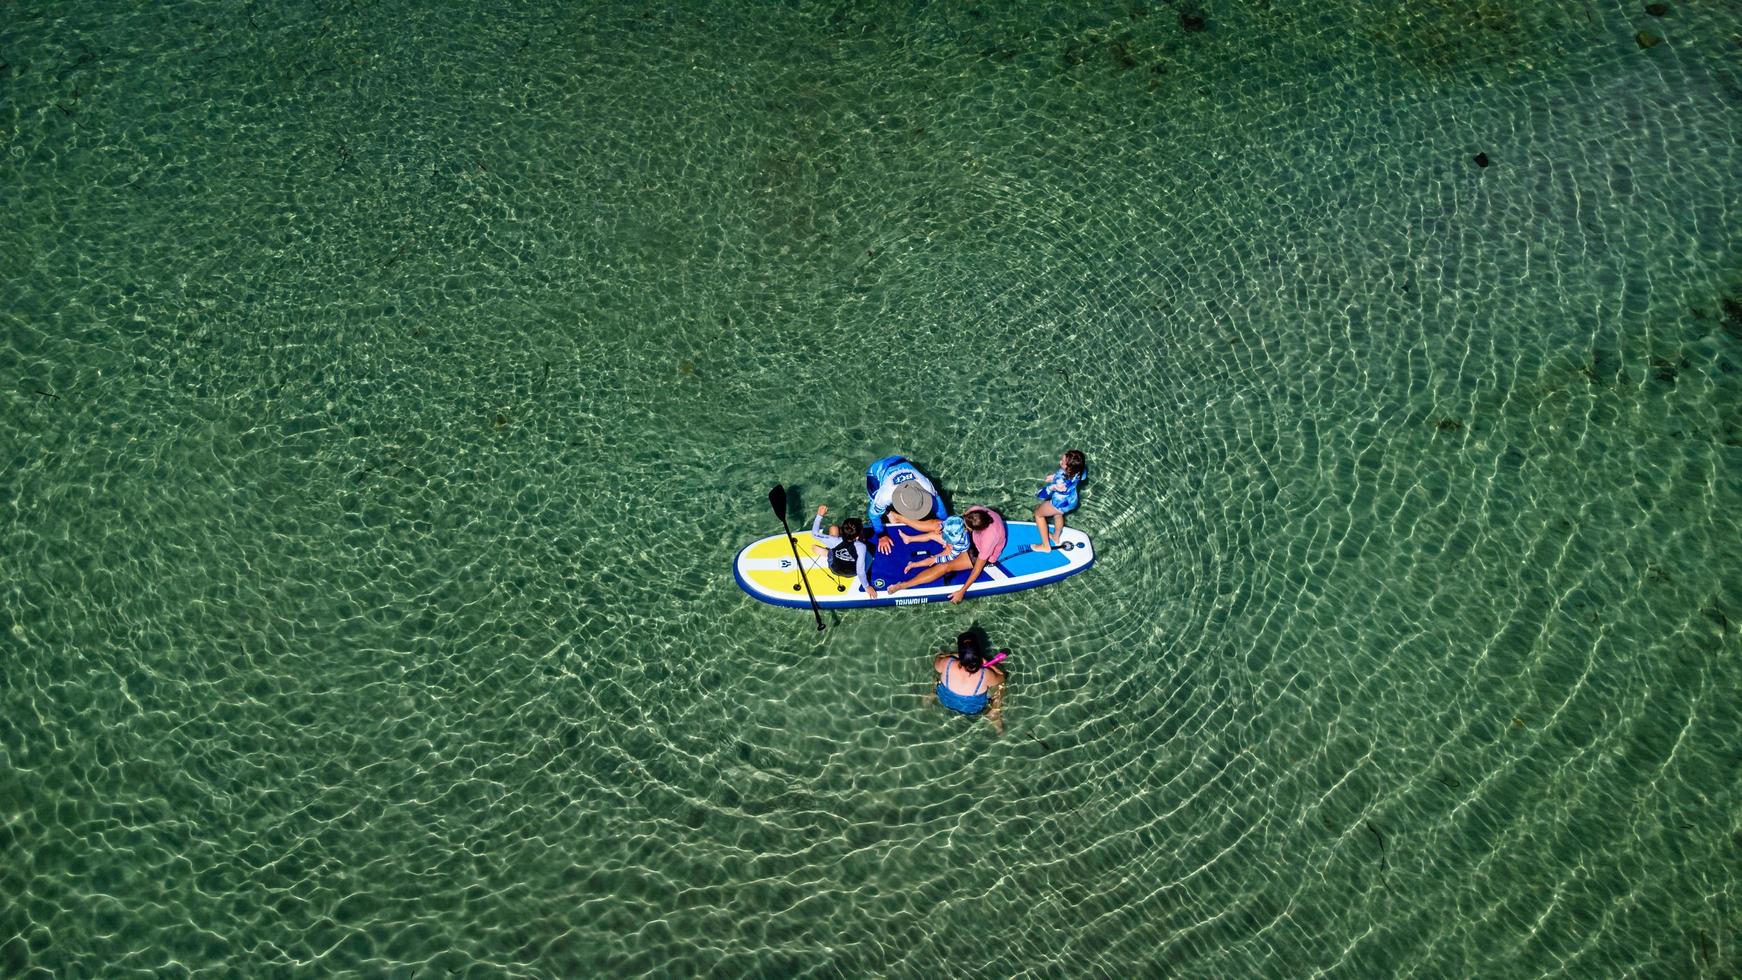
(993, 662)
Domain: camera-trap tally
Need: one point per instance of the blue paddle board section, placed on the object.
(1017, 559)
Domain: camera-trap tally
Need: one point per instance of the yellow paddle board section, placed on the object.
(771, 569)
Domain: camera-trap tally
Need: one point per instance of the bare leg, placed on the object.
(931, 574)
(1058, 524)
(1041, 513)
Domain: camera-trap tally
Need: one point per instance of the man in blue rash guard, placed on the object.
(895, 482)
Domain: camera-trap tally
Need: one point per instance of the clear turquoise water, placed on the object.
(388, 387)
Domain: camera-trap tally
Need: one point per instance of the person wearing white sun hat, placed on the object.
(894, 483)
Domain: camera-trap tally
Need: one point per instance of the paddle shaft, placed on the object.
(777, 500)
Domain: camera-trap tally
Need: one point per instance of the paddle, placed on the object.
(777, 500)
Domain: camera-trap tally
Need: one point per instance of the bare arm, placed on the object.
(863, 568)
(995, 707)
(973, 574)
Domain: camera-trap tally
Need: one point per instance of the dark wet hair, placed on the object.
(1075, 461)
(979, 520)
(969, 656)
(851, 529)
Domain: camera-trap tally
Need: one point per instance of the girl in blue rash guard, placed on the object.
(844, 548)
(882, 480)
(953, 535)
(1059, 497)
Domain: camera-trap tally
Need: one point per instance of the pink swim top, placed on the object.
(990, 542)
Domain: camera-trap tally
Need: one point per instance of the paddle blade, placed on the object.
(777, 500)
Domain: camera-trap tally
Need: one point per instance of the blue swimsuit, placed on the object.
(967, 704)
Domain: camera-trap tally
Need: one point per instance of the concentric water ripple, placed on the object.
(390, 386)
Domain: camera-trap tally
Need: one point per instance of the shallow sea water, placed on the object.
(389, 386)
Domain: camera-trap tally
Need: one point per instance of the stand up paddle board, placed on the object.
(765, 570)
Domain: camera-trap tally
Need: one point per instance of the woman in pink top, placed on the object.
(986, 530)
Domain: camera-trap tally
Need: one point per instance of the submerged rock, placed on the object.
(1657, 9)
(1192, 21)
(1121, 54)
(1480, 159)
(1647, 39)
(1732, 322)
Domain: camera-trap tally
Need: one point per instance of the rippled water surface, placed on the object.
(388, 387)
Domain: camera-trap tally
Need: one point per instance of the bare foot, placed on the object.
(897, 587)
(1044, 546)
